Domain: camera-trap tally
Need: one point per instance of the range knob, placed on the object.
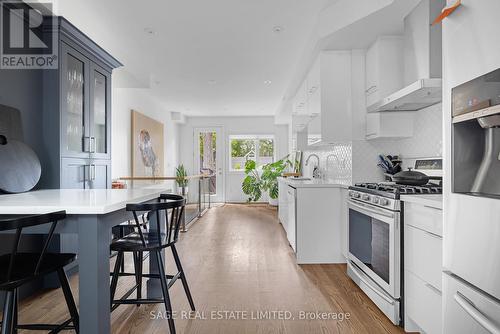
(375, 199)
(365, 197)
(355, 195)
(384, 202)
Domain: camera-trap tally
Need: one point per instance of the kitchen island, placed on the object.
(91, 213)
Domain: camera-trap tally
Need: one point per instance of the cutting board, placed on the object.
(20, 169)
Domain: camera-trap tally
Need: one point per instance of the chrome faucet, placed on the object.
(316, 171)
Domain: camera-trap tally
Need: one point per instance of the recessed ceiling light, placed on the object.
(267, 82)
(277, 29)
(149, 31)
(212, 82)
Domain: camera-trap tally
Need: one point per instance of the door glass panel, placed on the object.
(100, 112)
(75, 106)
(369, 242)
(208, 158)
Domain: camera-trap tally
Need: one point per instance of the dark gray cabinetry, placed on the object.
(77, 113)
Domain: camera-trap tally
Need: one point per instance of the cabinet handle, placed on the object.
(436, 290)
(86, 144)
(92, 145)
(371, 89)
(432, 234)
(92, 172)
(431, 207)
(476, 314)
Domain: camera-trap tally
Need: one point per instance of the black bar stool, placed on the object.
(19, 268)
(153, 242)
(125, 228)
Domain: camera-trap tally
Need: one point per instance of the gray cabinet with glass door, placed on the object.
(78, 99)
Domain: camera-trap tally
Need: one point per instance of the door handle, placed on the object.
(477, 315)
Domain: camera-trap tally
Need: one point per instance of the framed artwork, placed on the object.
(147, 146)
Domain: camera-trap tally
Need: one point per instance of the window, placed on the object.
(244, 148)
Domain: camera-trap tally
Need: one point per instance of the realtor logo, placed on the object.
(28, 35)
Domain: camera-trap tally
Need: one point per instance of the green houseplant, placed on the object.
(181, 179)
(255, 183)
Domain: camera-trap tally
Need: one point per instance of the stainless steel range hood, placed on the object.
(420, 94)
(422, 62)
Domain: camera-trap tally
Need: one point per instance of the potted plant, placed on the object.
(181, 180)
(255, 183)
(270, 174)
(252, 183)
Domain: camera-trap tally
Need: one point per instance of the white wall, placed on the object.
(124, 100)
(232, 126)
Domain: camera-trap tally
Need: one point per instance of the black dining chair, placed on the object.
(169, 211)
(19, 268)
(126, 228)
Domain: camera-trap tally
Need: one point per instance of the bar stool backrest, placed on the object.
(18, 222)
(161, 207)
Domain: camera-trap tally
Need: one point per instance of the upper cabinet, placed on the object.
(300, 100)
(327, 86)
(336, 113)
(77, 113)
(85, 106)
(314, 89)
(384, 68)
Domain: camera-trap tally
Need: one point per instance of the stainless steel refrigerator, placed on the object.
(471, 298)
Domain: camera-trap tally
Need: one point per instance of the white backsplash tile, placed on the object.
(356, 161)
(335, 162)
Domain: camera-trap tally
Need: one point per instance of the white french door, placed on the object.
(209, 158)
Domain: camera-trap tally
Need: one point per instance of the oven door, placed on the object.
(374, 244)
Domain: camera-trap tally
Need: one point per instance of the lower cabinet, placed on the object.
(85, 174)
(282, 202)
(423, 269)
(314, 224)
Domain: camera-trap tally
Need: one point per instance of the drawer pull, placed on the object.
(433, 234)
(436, 290)
(433, 208)
(477, 315)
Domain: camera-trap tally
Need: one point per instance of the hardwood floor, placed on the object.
(237, 259)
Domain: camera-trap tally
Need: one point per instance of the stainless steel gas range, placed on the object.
(376, 242)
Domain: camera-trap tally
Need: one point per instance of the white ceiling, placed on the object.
(195, 42)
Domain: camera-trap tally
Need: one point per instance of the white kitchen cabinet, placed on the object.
(314, 89)
(317, 225)
(300, 100)
(423, 252)
(335, 91)
(384, 68)
(392, 124)
(282, 203)
(292, 217)
(311, 215)
(344, 222)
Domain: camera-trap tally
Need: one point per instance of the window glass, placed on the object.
(257, 148)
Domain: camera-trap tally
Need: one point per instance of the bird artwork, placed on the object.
(148, 155)
(147, 146)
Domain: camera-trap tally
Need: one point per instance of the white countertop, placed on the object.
(74, 201)
(434, 201)
(312, 183)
